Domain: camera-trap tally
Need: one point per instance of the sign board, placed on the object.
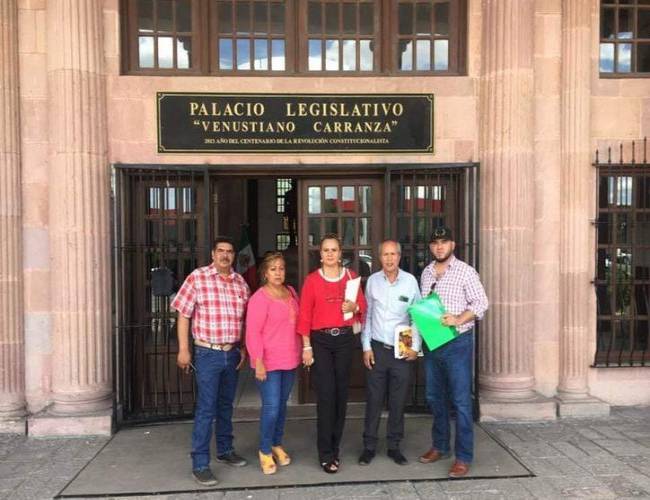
(294, 123)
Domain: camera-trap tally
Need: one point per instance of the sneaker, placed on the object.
(366, 457)
(280, 456)
(267, 463)
(204, 477)
(397, 457)
(232, 459)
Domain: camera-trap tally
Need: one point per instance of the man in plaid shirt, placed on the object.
(448, 369)
(214, 299)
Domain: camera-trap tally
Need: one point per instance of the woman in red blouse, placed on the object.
(328, 344)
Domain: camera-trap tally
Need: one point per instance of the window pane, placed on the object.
(165, 52)
(183, 15)
(347, 195)
(642, 229)
(165, 15)
(366, 56)
(607, 24)
(364, 231)
(348, 232)
(183, 52)
(365, 194)
(331, 226)
(625, 23)
(423, 19)
(277, 55)
(314, 231)
(145, 51)
(331, 55)
(243, 18)
(331, 199)
(406, 55)
(405, 14)
(313, 204)
(605, 228)
(315, 55)
(260, 17)
(441, 55)
(331, 18)
(366, 19)
(349, 55)
(277, 18)
(261, 54)
(243, 54)
(224, 13)
(423, 55)
(606, 57)
(225, 53)
(314, 18)
(145, 15)
(643, 57)
(623, 229)
(349, 18)
(441, 16)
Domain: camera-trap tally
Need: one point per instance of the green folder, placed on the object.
(427, 316)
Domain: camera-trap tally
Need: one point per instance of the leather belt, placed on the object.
(336, 331)
(381, 344)
(215, 347)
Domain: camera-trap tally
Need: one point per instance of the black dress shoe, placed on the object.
(366, 457)
(397, 457)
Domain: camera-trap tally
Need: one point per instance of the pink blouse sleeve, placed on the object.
(255, 319)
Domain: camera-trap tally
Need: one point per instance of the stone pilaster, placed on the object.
(506, 372)
(576, 272)
(79, 218)
(12, 375)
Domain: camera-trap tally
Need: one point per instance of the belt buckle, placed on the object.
(387, 346)
(226, 347)
(335, 332)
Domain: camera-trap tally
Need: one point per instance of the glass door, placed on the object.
(351, 208)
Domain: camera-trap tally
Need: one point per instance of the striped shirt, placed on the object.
(459, 289)
(215, 303)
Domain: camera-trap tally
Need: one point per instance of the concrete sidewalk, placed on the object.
(604, 458)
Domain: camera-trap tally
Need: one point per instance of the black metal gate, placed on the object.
(163, 220)
(161, 224)
(419, 198)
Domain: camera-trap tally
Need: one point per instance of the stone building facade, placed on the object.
(530, 105)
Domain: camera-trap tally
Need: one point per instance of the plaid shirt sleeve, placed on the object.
(185, 299)
(477, 300)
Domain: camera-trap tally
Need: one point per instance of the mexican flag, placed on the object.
(246, 260)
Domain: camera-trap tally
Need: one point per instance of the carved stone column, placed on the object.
(576, 272)
(79, 219)
(507, 213)
(12, 366)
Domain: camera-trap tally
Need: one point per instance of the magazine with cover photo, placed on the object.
(403, 340)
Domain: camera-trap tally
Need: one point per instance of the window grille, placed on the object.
(622, 278)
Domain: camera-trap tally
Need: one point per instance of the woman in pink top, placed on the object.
(275, 349)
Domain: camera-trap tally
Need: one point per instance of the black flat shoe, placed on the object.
(330, 467)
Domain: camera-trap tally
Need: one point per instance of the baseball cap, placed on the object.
(441, 233)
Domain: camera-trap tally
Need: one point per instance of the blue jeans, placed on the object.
(274, 391)
(216, 383)
(448, 372)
